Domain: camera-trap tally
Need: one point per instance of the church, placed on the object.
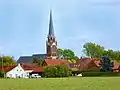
(51, 47)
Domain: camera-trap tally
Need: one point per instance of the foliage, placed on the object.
(100, 74)
(60, 53)
(39, 62)
(7, 60)
(66, 54)
(93, 50)
(56, 71)
(106, 65)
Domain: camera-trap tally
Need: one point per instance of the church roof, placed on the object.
(37, 56)
(29, 59)
(51, 28)
(25, 59)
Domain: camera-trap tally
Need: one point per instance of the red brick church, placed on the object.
(51, 43)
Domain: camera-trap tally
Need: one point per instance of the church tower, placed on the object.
(51, 43)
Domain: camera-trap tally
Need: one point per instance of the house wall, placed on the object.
(18, 72)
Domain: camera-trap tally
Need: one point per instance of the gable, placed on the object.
(8, 68)
(16, 69)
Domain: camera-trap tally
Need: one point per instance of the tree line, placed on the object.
(90, 49)
(94, 50)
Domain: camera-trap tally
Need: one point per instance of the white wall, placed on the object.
(18, 71)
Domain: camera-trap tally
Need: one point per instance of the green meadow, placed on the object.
(71, 83)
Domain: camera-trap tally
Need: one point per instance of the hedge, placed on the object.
(101, 74)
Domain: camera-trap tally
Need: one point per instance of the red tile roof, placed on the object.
(33, 67)
(55, 61)
(7, 68)
(87, 63)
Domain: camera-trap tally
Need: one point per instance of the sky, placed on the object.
(24, 25)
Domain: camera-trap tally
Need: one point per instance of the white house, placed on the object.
(18, 72)
(21, 71)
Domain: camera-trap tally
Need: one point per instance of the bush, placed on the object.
(57, 71)
(101, 74)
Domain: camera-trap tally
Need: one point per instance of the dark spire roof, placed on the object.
(51, 29)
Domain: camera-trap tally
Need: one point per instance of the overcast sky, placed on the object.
(24, 24)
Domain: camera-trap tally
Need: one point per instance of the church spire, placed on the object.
(51, 44)
(51, 28)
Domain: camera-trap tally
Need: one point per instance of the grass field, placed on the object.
(76, 83)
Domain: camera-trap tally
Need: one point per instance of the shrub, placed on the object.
(57, 71)
(101, 74)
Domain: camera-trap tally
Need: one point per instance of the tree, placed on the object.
(39, 62)
(66, 54)
(93, 50)
(106, 65)
(76, 58)
(7, 60)
(60, 53)
(114, 55)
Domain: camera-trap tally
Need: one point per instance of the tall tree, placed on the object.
(93, 50)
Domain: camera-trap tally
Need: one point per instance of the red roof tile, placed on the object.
(55, 61)
(7, 68)
(87, 63)
(33, 67)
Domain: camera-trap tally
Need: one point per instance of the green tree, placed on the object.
(93, 50)
(114, 55)
(7, 60)
(76, 58)
(60, 53)
(66, 54)
(39, 62)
